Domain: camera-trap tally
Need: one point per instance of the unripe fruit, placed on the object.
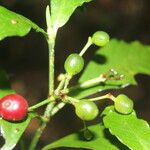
(100, 38)
(13, 107)
(123, 104)
(74, 64)
(86, 110)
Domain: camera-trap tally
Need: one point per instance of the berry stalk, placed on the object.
(87, 45)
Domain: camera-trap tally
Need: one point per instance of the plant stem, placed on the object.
(89, 83)
(68, 78)
(41, 128)
(60, 86)
(57, 108)
(84, 125)
(47, 114)
(51, 44)
(39, 104)
(49, 107)
(37, 136)
(107, 96)
(87, 45)
(71, 99)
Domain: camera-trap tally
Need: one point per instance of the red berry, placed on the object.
(13, 107)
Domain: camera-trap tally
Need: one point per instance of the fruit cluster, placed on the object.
(85, 109)
(14, 107)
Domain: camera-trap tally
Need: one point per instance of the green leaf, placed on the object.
(103, 140)
(12, 131)
(131, 131)
(127, 59)
(61, 10)
(13, 24)
(4, 92)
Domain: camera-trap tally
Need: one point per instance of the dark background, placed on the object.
(26, 59)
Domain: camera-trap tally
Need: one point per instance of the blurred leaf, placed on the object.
(131, 131)
(4, 79)
(5, 87)
(13, 24)
(4, 92)
(12, 131)
(126, 59)
(103, 140)
(61, 10)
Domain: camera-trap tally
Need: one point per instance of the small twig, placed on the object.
(60, 86)
(87, 45)
(90, 83)
(68, 78)
(57, 108)
(107, 96)
(41, 128)
(39, 104)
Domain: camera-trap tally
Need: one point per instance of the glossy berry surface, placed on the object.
(123, 104)
(13, 107)
(86, 110)
(74, 64)
(100, 38)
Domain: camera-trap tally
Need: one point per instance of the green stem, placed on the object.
(47, 113)
(39, 104)
(68, 78)
(57, 108)
(51, 44)
(60, 86)
(41, 128)
(37, 136)
(84, 125)
(70, 99)
(107, 96)
(64, 83)
(89, 83)
(51, 32)
(87, 45)
(62, 104)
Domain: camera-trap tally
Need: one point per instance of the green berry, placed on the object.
(74, 64)
(123, 104)
(100, 38)
(86, 110)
